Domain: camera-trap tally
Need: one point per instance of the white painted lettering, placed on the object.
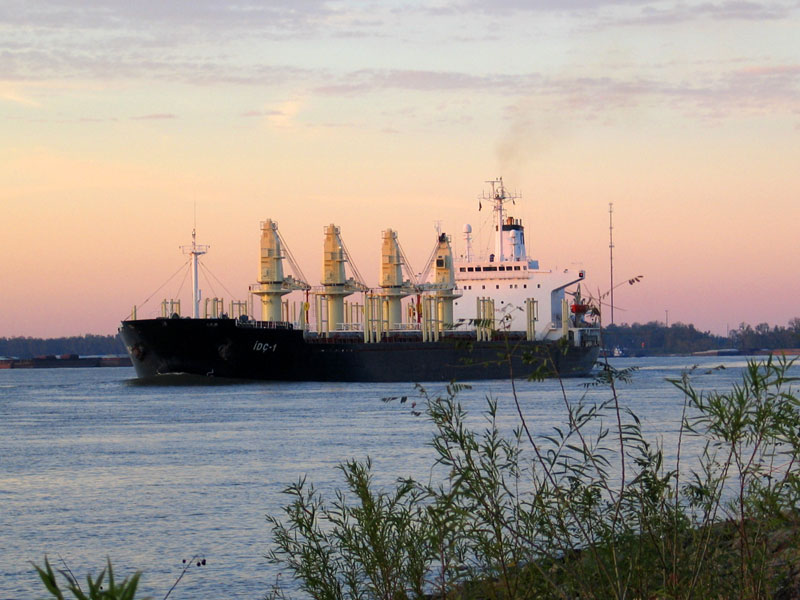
(264, 347)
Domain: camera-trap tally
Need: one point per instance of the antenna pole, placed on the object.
(611, 253)
(195, 250)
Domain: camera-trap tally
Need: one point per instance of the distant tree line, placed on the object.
(648, 338)
(679, 338)
(762, 336)
(84, 345)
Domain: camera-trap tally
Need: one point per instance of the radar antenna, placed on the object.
(499, 197)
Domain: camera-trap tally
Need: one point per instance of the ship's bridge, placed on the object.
(490, 270)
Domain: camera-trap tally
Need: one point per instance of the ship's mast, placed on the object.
(498, 198)
(195, 250)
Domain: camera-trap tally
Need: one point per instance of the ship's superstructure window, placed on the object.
(462, 269)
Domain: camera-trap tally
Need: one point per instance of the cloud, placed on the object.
(261, 113)
(208, 43)
(156, 116)
(539, 113)
(492, 6)
(656, 14)
(653, 12)
(285, 114)
(76, 62)
(198, 41)
(367, 80)
(751, 88)
(14, 96)
(771, 71)
(206, 15)
(281, 116)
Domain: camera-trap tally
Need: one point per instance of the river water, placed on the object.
(94, 465)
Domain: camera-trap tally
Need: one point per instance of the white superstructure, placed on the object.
(521, 291)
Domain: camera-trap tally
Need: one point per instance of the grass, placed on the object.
(588, 511)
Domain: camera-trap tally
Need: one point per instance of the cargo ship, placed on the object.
(464, 317)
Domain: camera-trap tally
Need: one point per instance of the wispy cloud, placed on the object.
(639, 11)
(199, 15)
(282, 115)
(209, 43)
(261, 113)
(367, 80)
(764, 86)
(78, 63)
(155, 116)
(668, 14)
(285, 114)
(16, 97)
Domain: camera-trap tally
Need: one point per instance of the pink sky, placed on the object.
(117, 120)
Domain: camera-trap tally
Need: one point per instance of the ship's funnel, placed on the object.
(513, 234)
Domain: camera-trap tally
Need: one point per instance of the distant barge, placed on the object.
(62, 361)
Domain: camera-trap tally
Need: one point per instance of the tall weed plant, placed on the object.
(590, 510)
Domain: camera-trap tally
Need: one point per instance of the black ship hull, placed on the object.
(264, 351)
